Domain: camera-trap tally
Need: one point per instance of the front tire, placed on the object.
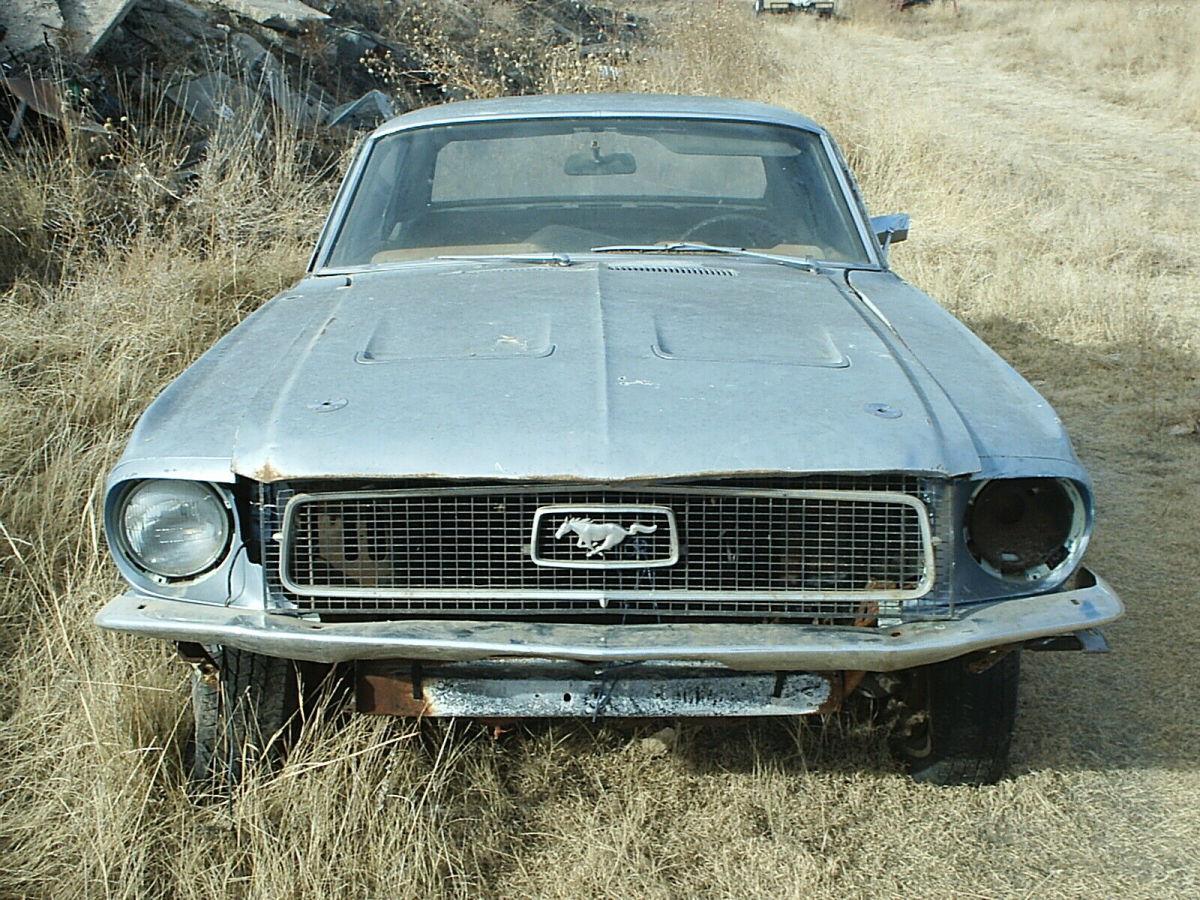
(245, 711)
(958, 723)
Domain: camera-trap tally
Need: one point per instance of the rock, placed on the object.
(209, 99)
(284, 15)
(350, 46)
(251, 56)
(28, 25)
(367, 111)
(324, 63)
(40, 96)
(172, 27)
(90, 22)
(659, 743)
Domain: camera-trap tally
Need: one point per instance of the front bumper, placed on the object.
(744, 647)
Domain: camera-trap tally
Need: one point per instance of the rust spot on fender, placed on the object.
(267, 473)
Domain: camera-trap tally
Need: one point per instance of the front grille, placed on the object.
(857, 547)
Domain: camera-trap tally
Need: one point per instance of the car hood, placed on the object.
(633, 368)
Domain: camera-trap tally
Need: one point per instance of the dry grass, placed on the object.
(1138, 53)
(1141, 54)
(1037, 217)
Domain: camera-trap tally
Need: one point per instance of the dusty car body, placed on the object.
(538, 436)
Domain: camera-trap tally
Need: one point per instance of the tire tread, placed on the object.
(242, 724)
(971, 720)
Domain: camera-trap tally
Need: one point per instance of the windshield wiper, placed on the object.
(797, 262)
(534, 259)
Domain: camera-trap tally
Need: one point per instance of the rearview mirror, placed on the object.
(597, 163)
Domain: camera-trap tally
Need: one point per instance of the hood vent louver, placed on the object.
(671, 270)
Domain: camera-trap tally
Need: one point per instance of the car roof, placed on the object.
(558, 105)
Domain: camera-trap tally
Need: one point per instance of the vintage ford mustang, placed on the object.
(605, 406)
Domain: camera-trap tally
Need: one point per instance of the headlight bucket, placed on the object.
(172, 529)
(1027, 529)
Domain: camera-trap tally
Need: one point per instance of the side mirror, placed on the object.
(890, 229)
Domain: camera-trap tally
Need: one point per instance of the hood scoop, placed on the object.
(513, 334)
(671, 270)
(760, 340)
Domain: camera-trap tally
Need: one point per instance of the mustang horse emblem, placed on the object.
(600, 536)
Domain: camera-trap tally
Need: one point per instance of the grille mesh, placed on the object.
(745, 551)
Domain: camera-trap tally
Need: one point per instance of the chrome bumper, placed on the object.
(749, 647)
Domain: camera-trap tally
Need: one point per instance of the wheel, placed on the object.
(245, 710)
(958, 723)
(746, 230)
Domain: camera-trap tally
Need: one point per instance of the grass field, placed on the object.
(1048, 153)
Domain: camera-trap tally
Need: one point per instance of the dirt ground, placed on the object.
(1056, 209)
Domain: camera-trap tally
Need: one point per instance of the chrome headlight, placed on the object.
(173, 529)
(1026, 529)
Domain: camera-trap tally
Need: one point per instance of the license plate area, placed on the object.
(507, 689)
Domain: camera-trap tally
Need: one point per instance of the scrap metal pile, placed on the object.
(321, 64)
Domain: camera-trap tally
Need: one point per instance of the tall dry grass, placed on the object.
(1080, 240)
(1141, 54)
(114, 277)
(1138, 53)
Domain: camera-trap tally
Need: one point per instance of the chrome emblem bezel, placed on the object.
(626, 515)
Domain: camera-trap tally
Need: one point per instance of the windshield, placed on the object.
(569, 185)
